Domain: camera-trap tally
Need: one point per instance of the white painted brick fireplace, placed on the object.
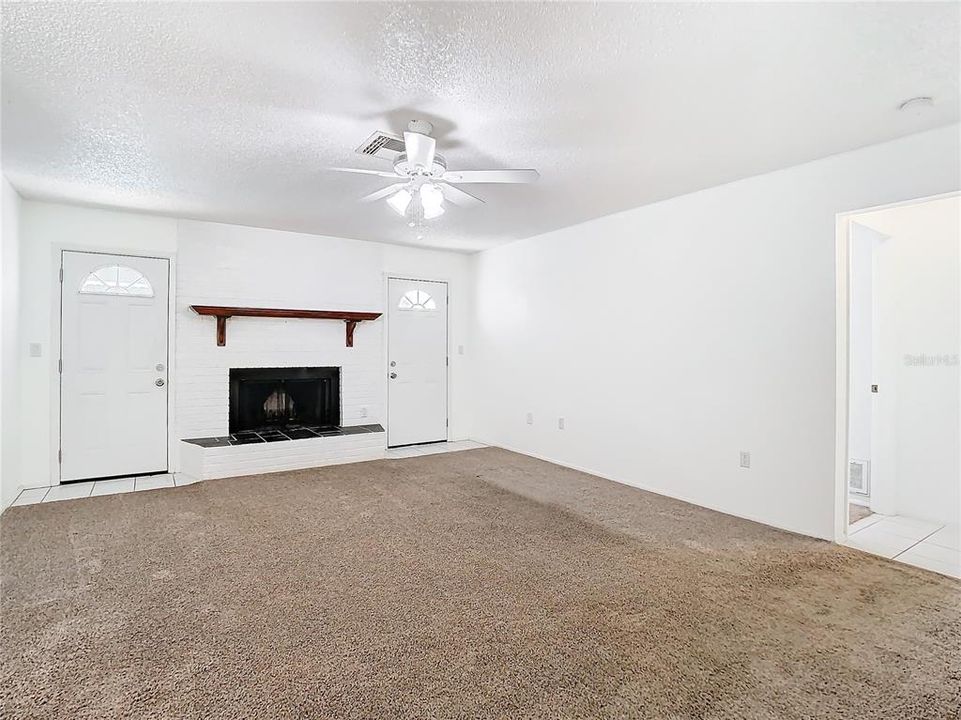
(202, 367)
(227, 265)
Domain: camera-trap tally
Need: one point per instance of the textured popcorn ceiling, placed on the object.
(233, 112)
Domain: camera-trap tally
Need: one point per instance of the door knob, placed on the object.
(159, 382)
(393, 375)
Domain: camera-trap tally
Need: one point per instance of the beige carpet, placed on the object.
(478, 584)
(857, 512)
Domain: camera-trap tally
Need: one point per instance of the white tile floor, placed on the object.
(73, 491)
(432, 449)
(929, 545)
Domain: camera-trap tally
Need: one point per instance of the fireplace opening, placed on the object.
(278, 398)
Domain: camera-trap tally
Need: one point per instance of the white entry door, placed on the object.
(113, 377)
(417, 361)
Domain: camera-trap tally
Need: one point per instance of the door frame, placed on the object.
(388, 276)
(56, 324)
(842, 379)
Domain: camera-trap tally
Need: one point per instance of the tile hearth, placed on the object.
(293, 432)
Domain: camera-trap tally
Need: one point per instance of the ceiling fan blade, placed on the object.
(383, 192)
(459, 197)
(378, 173)
(491, 176)
(420, 150)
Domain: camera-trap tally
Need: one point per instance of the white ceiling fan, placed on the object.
(424, 182)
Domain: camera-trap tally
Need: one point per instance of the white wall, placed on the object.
(917, 317)
(672, 336)
(10, 434)
(221, 264)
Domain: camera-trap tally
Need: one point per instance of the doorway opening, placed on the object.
(899, 382)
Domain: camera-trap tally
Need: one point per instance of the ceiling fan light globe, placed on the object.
(399, 201)
(431, 213)
(433, 200)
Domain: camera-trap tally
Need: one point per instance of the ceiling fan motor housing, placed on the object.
(402, 167)
(420, 126)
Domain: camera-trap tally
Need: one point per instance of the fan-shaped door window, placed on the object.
(416, 300)
(116, 280)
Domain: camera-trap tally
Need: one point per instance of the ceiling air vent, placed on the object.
(382, 145)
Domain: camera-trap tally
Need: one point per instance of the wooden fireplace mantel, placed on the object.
(222, 312)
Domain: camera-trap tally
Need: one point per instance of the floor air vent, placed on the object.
(859, 481)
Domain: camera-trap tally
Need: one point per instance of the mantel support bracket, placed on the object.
(222, 330)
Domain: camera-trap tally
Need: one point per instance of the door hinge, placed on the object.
(60, 457)
(60, 366)
(61, 275)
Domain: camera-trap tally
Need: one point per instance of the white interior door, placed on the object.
(113, 378)
(417, 361)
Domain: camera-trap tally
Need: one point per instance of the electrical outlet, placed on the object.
(560, 423)
(530, 418)
(36, 350)
(745, 459)
(363, 412)
(460, 349)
